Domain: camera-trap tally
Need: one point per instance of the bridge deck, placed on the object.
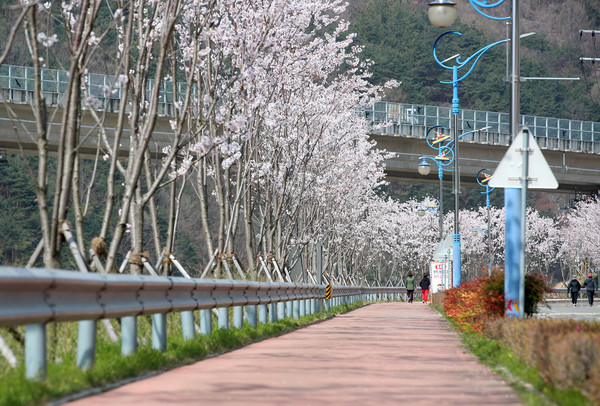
(390, 353)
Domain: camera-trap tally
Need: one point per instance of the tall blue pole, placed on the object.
(456, 277)
(512, 247)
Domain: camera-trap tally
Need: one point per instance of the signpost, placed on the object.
(522, 167)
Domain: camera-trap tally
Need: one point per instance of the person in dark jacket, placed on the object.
(424, 284)
(410, 287)
(590, 288)
(573, 288)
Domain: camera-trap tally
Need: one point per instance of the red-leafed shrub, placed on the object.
(472, 304)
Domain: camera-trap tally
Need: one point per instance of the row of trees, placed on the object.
(556, 247)
(263, 130)
(266, 154)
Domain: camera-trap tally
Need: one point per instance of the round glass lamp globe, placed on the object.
(442, 13)
(424, 168)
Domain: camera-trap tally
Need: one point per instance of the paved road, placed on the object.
(563, 309)
(383, 354)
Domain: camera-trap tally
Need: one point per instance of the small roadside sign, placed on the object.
(436, 270)
(509, 173)
(328, 292)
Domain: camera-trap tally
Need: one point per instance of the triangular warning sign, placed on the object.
(509, 173)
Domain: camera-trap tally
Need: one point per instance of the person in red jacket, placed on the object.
(424, 284)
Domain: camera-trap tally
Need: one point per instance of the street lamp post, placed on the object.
(483, 177)
(442, 160)
(459, 63)
(514, 264)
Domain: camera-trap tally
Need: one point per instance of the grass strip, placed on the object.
(525, 380)
(112, 369)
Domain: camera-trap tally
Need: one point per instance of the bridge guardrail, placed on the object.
(401, 118)
(35, 297)
(551, 133)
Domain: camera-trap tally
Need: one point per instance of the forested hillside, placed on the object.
(398, 37)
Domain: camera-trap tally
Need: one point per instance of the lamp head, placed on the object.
(442, 13)
(424, 167)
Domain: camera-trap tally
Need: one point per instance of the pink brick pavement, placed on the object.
(383, 354)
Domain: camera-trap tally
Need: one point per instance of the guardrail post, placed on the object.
(262, 313)
(296, 309)
(313, 306)
(86, 344)
(205, 321)
(272, 313)
(238, 316)
(302, 308)
(252, 319)
(281, 310)
(128, 335)
(35, 351)
(187, 325)
(223, 318)
(327, 304)
(159, 331)
(289, 308)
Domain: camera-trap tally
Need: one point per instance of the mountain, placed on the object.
(398, 38)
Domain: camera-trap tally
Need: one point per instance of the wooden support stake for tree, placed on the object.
(36, 253)
(7, 353)
(264, 268)
(125, 262)
(160, 260)
(226, 265)
(279, 276)
(84, 268)
(179, 267)
(238, 267)
(210, 264)
(96, 262)
(288, 277)
(149, 267)
(79, 261)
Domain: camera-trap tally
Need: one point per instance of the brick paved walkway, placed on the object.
(383, 354)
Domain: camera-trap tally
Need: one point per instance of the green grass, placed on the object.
(64, 378)
(524, 379)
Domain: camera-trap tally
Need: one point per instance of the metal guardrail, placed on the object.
(35, 297)
(17, 83)
(414, 120)
(562, 293)
(400, 118)
(29, 296)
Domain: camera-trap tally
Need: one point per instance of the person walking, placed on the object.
(573, 288)
(410, 287)
(424, 284)
(590, 288)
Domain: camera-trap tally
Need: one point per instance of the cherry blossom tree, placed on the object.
(578, 238)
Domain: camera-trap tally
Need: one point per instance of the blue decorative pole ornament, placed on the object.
(459, 63)
(477, 4)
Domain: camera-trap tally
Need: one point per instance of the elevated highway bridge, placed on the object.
(571, 147)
